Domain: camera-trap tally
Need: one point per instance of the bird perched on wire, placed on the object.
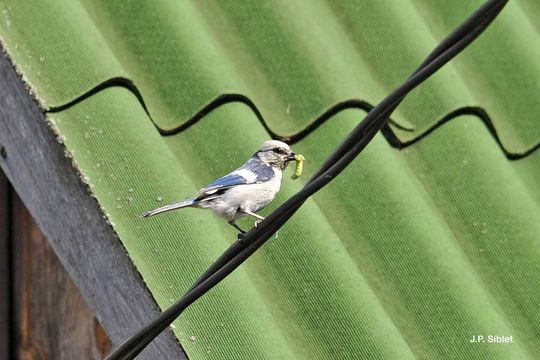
(244, 191)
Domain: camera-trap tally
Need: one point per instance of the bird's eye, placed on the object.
(279, 151)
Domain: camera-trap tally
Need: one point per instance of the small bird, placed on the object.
(244, 191)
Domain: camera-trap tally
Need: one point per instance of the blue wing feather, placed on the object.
(262, 172)
(229, 180)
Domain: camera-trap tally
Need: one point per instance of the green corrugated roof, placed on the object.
(406, 255)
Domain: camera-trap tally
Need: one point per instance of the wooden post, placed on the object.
(42, 314)
(51, 319)
(5, 283)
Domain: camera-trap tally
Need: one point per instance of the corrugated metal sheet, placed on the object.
(408, 254)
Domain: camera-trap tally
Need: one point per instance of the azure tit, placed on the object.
(244, 191)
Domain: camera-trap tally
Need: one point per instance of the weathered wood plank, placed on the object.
(71, 220)
(51, 319)
(5, 283)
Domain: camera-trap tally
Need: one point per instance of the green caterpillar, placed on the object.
(299, 166)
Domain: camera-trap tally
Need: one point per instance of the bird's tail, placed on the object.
(177, 205)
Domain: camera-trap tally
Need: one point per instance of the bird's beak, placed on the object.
(291, 157)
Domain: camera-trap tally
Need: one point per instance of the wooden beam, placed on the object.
(50, 318)
(71, 220)
(5, 270)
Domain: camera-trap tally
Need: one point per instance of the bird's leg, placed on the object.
(237, 227)
(259, 217)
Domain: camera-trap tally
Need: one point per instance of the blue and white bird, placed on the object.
(244, 191)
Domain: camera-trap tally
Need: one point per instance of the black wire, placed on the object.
(350, 148)
(323, 168)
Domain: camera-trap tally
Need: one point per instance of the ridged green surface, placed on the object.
(407, 254)
(294, 59)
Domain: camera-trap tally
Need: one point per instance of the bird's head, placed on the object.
(275, 153)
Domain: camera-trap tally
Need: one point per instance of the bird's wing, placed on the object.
(252, 172)
(227, 181)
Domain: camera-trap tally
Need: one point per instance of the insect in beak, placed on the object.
(299, 166)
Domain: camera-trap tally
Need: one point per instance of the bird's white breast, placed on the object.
(252, 197)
